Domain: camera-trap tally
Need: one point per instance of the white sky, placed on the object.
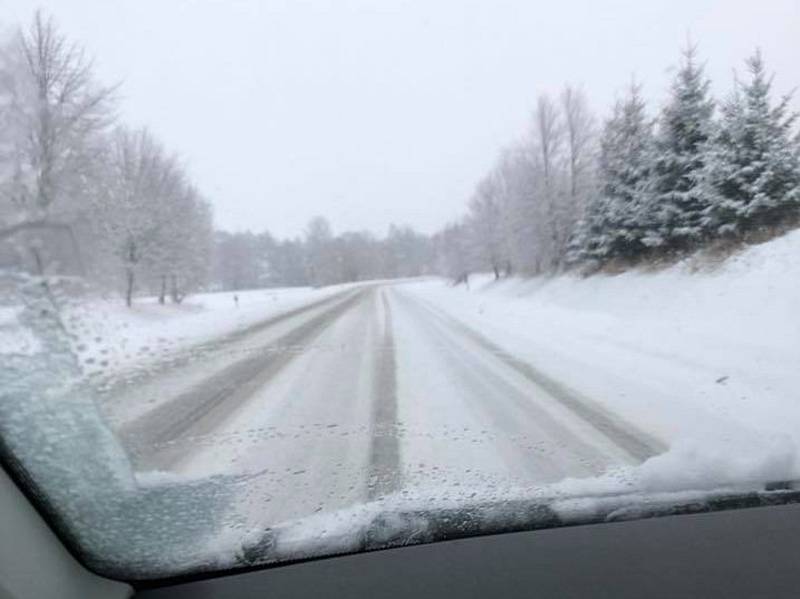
(379, 112)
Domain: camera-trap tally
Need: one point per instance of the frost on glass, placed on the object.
(50, 424)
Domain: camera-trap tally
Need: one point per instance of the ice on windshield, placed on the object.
(603, 327)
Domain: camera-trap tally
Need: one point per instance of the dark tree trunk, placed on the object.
(162, 296)
(129, 287)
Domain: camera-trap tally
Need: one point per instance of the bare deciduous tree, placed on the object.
(486, 224)
(53, 115)
(580, 139)
(139, 191)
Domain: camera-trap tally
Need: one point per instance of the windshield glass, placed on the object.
(281, 280)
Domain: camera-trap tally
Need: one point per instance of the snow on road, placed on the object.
(707, 361)
(390, 400)
(198, 385)
(469, 410)
(307, 431)
(419, 393)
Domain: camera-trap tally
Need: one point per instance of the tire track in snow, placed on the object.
(384, 472)
(111, 387)
(524, 438)
(636, 443)
(152, 439)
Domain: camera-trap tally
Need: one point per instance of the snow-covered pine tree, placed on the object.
(680, 209)
(617, 218)
(752, 173)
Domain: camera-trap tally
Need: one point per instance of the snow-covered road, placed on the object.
(367, 393)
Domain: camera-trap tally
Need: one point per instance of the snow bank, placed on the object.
(708, 360)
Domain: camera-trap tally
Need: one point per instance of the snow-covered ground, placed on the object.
(110, 338)
(706, 359)
(395, 396)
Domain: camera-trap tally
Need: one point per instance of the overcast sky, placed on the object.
(385, 111)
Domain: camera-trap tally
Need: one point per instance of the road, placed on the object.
(359, 396)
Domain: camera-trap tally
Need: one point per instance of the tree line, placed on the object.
(635, 187)
(81, 193)
(318, 257)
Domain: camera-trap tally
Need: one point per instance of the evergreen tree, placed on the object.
(680, 209)
(753, 168)
(617, 219)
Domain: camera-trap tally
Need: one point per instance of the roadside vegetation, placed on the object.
(85, 196)
(635, 188)
(81, 194)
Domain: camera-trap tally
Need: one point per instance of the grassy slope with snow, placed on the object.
(708, 361)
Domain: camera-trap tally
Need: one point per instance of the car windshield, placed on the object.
(283, 280)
